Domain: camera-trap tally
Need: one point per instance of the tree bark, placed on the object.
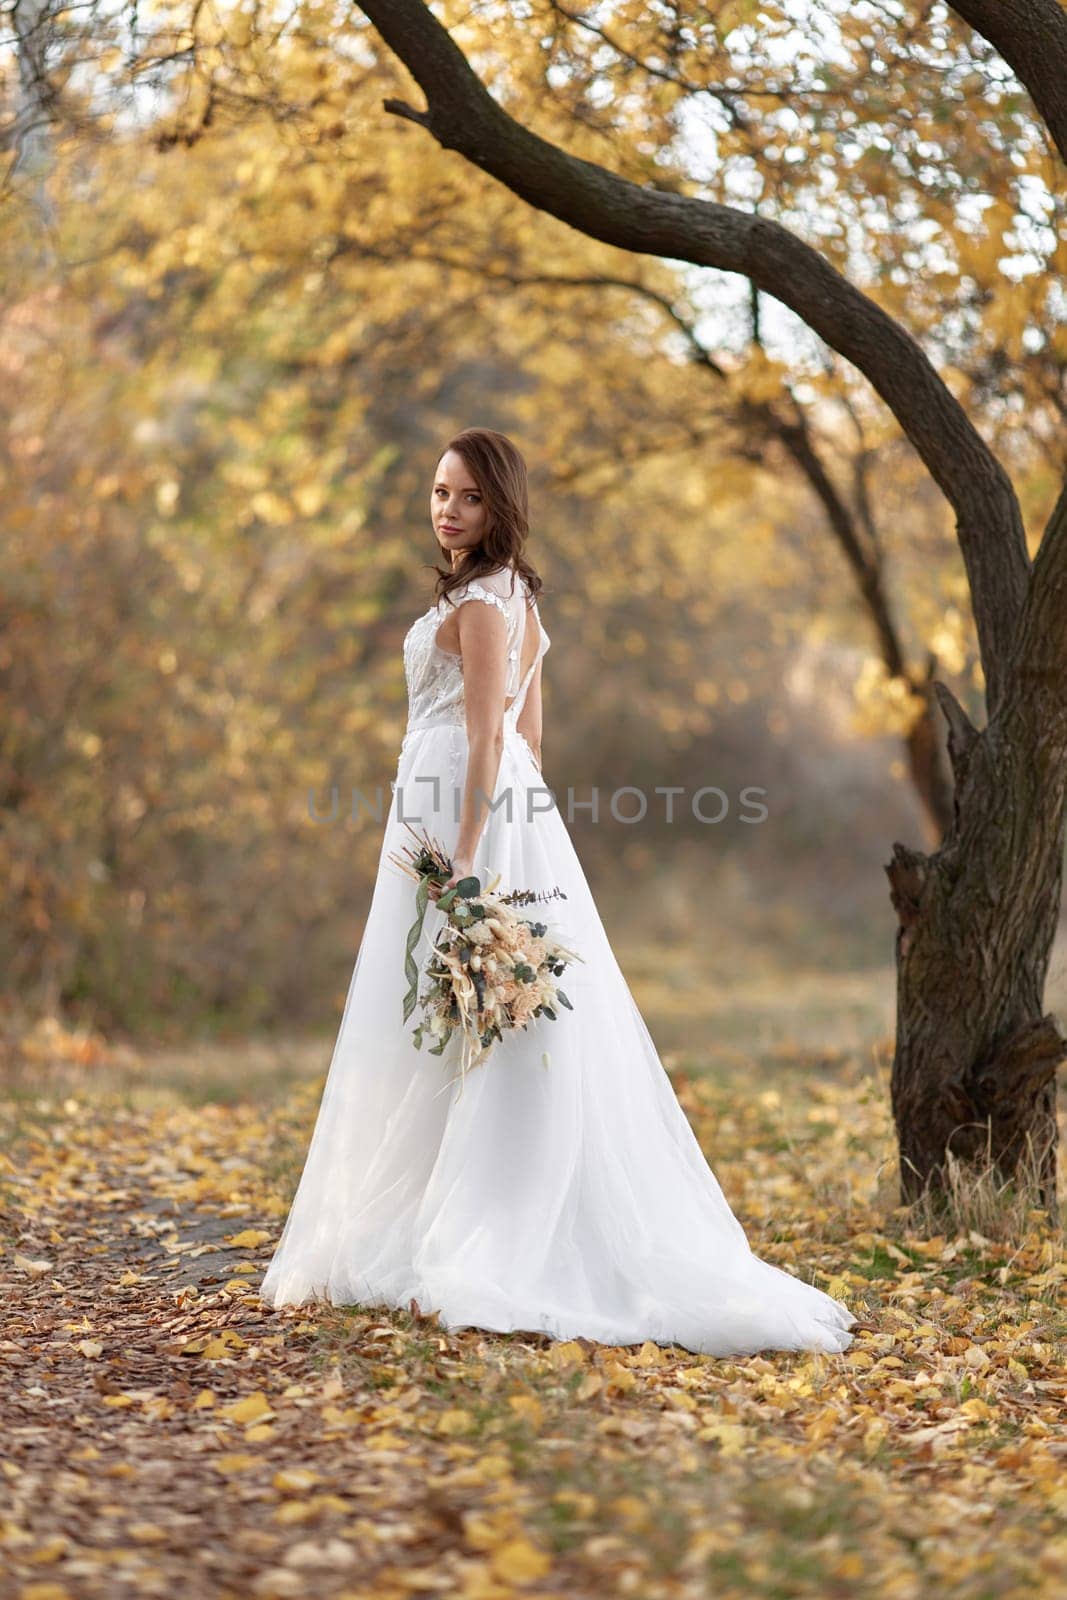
(974, 1069)
(976, 1053)
(927, 763)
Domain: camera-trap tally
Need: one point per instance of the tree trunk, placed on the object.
(927, 765)
(974, 1070)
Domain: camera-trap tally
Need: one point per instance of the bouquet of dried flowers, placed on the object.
(489, 971)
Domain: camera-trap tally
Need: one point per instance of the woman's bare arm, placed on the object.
(483, 644)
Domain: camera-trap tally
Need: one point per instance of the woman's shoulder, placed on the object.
(501, 582)
(505, 584)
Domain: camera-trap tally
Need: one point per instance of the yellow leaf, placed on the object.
(528, 1407)
(294, 1480)
(518, 1561)
(680, 1400)
(692, 1377)
(590, 1385)
(204, 1400)
(50, 1551)
(249, 1239)
(850, 1566)
(729, 1436)
(291, 1511)
(455, 1421)
(118, 1401)
(567, 1354)
(214, 1346)
(488, 1530)
(90, 1349)
(386, 1440)
(823, 1424)
(582, 1504)
(332, 1502)
(649, 1355)
(147, 1533)
(236, 1462)
(632, 1510)
(873, 1435)
(486, 1469)
(253, 1408)
(342, 1417)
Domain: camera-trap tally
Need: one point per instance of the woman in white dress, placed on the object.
(568, 1197)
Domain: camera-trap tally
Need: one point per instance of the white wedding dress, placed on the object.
(570, 1198)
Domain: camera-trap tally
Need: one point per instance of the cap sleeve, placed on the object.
(476, 589)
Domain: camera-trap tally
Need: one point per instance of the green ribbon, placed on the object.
(462, 889)
(411, 971)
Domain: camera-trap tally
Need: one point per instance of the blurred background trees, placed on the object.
(243, 310)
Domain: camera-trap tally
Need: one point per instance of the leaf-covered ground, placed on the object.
(163, 1433)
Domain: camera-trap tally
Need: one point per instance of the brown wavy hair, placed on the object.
(498, 468)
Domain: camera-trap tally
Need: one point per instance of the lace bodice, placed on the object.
(435, 676)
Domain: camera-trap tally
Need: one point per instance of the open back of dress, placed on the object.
(510, 595)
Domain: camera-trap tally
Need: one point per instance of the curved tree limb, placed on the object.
(1031, 35)
(462, 116)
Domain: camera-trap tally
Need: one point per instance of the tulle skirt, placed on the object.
(570, 1198)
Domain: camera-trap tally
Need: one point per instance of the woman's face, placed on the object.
(457, 508)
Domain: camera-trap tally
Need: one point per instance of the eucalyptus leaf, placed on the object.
(411, 971)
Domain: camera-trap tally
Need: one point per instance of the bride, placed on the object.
(563, 1190)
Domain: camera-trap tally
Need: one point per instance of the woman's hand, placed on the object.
(462, 867)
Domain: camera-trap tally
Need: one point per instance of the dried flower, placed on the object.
(490, 971)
